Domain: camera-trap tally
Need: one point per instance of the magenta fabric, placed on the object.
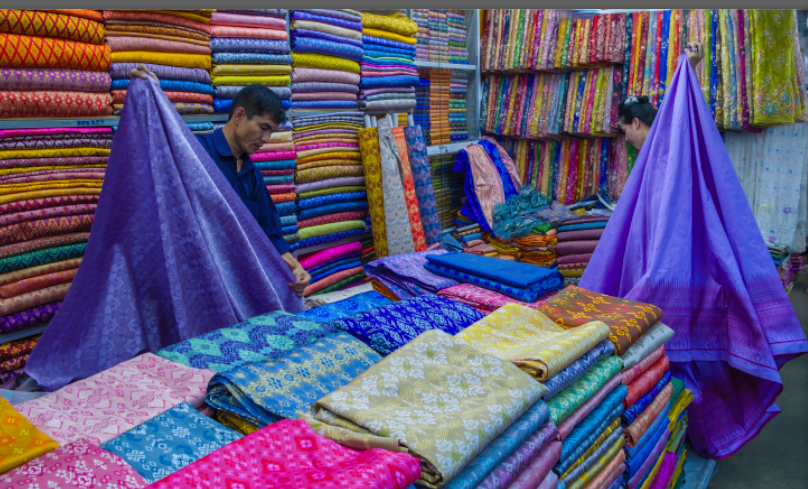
(314, 259)
(566, 426)
(280, 189)
(684, 239)
(307, 147)
(487, 301)
(665, 472)
(273, 156)
(50, 131)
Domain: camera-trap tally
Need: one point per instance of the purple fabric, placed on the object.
(582, 235)
(518, 461)
(28, 317)
(406, 276)
(326, 36)
(684, 238)
(331, 182)
(367, 92)
(174, 253)
(540, 469)
(576, 247)
(649, 463)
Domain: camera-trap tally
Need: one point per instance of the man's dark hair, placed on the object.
(637, 107)
(258, 100)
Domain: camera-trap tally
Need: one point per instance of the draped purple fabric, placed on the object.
(173, 252)
(683, 238)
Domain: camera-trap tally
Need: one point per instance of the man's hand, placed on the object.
(695, 53)
(142, 72)
(303, 278)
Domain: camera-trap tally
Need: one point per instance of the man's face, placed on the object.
(253, 133)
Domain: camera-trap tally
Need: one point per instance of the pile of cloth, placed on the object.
(50, 180)
(201, 128)
(539, 248)
(335, 268)
(388, 73)
(277, 163)
(449, 192)
(471, 238)
(439, 81)
(438, 36)
(54, 64)
(404, 276)
(577, 240)
(421, 18)
(329, 179)
(420, 112)
(458, 91)
(458, 33)
(327, 48)
(174, 44)
(249, 46)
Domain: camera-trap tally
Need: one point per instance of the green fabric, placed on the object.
(571, 398)
(41, 257)
(678, 433)
(541, 228)
(678, 387)
(334, 227)
(332, 190)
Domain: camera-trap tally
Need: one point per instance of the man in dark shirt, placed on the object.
(256, 112)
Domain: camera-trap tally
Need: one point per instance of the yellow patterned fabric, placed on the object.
(12, 171)
(235, 422)
(398, 23)
(20, 441)
(329, 162)
(392, 36)
(5, 199)
(169, 59)
(347, 137)
(584, 479)
(352, 439)
(777, 99)
(14, 154)
(328, 172)
(321, 151)
(531, 340)
(250, 69)
(309, 60)
(682, 402)
(15, 188)
(594, 447)
(372, 163)
(275, 81)
(281, 137)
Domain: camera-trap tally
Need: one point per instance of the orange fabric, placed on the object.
(77, 12)
(416, 226)
(45, 52)
(51, 24)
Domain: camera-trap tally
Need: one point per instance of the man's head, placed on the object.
(256, 112)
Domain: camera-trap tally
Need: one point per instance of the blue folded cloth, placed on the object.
(388, 81)
(582, 226)
(325, 47)
(346, 307)
(632, 452)
(250, 59)
(237, 45)
(222, 105)
(378, 41)
(360, 205)
(508, 272)
(170, 86)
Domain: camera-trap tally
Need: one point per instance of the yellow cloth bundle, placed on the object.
(392, 36)
(271, 80)
(250, 69)
(397, 23)
(21, 441)
(310, 60)
(13, 154)
(169, 59)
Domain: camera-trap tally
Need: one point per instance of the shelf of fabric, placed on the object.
(450, 148)
(19, 335)
(106, 121)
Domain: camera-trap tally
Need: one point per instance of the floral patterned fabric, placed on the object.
(531, 340)
(372, 164)
(577, 369)
(20, 440)
(628, 320)
(484, 300)
(79, 464)
(575, 395)
(410, 197)
(400, 238)
(422, 178)
(386, 329)
(348, 306)
(491, 393)
(170, 441)
(288, 453)
(253, 340)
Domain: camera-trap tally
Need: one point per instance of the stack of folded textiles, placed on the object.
(448, 186)
(327, 48)
(174, 44)
(50, 179)
(485, 300)
(517, 280)
(458, 90)
(249, 46)
(201, 128)
(458, 32)
(53, 64)
(589, 398)
(577, 239)
(439, 103)
(421, 19)
(329, 180)
(388, 73)
(404, 276)
(539, 248)
(335, 268)
(438, 36)
(422, 104)
(470, 236)
(276, 161)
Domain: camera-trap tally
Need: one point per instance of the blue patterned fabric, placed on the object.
(276, 165)
(499, 449)
(329, 238)
(234, 45)
(333, 13)
(355, 25)
(386, 63)
(587, 444)
(279, 180)
(577, 369)
(632, 452)
(422, 177)
(388, 81)
(511, 273)
(328, 48)
(324, 35)
(634, 465)
(332, 270)
(255, 339)
(170, 441)
(250, 58)
(379, 52)
(170, 86)
(291, 229)
(378, 41)
(593, 458)
(525, 295)
(346, 307)
(200, 126)
(386, 329)
(285, 387)
(602, 413)
(331, 199)
(638, 407)
(324, 104)
(332, 209)
(286, 208)
(198, 75)
(288, 220)
(222, 105)
(582, 226)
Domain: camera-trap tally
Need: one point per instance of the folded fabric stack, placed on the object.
(13, 355)
(329, 179)
(335, 268)
(458, 33)
(249, 46)
(327, 48)
(577, 239)
(485, 300)
(50, 180)
(277, 163)
(201, 128)
(470, 236)
(439, 103)
(404, 275)
(347, 306)
(448, 185)
(53, 64)
(517, 280)
(458, 91)
(421, 19)
(388, 73)
(174, 44)
(539, 248)
(438, 36)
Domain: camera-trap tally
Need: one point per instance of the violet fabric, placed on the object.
(518, 461)
(175, 253)
(540, 469)
(29, 317)
(582, 235)
(576, 247)
(406, 276)
(734, 324)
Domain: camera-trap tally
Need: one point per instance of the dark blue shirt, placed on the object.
(248, 184)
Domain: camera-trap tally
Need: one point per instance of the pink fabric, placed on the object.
(247, 32)
(49, 131)
(239, 20)
(288, 454)
(304, 134)
(126, 43)
(665, 473)
(79, 464)
(316, 96)
(307, 147)
(313, 259)
(280, 189)
(540, 469)
(630, 374)
(581, 258)
(274, 156)
(331, 280)
(484, 300)
(276, 147)
(566, 426)
(105, 405)
(278, 173)
(320, 75)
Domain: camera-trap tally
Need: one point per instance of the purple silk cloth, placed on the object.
(518, 461)
(29, 317)
(174, 252)
(684, 238)
(540, 469)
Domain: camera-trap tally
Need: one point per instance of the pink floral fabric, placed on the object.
(484, 300)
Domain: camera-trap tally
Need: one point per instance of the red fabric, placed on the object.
(289, 454)
(54, 104)
(118, 97)
(646, 381)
